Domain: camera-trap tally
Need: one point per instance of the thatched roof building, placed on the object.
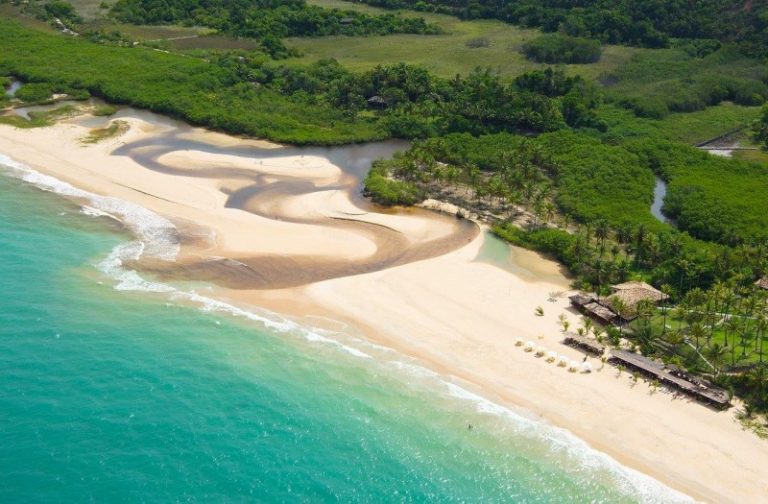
(632, 293)
(762, 283)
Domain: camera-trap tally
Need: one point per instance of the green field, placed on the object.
(445, 55)
(689, 127)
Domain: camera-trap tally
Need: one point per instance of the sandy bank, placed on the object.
(410, 280)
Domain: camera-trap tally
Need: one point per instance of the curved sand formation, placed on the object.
(283, 216)
(282, 223)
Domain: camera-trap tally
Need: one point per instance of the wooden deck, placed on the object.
(698, 390)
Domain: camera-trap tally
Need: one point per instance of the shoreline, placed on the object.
(439, 304)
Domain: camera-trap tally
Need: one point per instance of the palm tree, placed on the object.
(666, 289)
(602, 231)
(674, 338)
(621, 309)
(697, 332)
(597, 332)
(645, 310)
(715, 353)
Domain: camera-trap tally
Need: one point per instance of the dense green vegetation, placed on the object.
(647, 23)
(557, 48)
(699, 200)
(759, 128)
(266, 20)
(671, 80)
(454, 51)
(321, 103)
(216, 93)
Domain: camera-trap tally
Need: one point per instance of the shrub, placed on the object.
(387, 191)
(556, 48)
(35, 92)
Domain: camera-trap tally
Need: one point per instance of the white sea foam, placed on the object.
(157, 237)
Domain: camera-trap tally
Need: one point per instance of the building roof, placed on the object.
(580, 299)
(634, 292)
(762, 283)
(588, 344)
(656, 369)
(602, 312)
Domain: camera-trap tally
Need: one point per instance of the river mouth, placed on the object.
(266, 216)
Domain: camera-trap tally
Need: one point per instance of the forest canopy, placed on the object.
(266, 18)
(645, 23)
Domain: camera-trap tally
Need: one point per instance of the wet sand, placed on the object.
(286, 229)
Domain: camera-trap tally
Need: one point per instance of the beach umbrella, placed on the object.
(518, 342)
(586, 367)
(540, 351)
(573, 366)
(529, 346)
(551, 356)
(562, 361)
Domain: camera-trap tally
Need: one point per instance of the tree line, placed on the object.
(267, 20)
(645, 23)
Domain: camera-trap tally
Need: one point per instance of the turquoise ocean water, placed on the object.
(114, 389)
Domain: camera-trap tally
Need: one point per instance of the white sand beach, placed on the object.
(408, 280)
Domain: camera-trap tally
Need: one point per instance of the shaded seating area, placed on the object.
(594, 310)
(630, 294)
(587, 344)
(762, 283)
(696, 389)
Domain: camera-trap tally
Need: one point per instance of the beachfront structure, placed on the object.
(697, 389)
(590, 307)
(605, 311)
(631, 294)
(587, 344)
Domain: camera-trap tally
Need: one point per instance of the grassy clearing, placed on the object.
(90, 9)
(214, 43)
(743, 345)
(115, 128)
(445, 55)
(39, 119)
(147, 33)
(689, 127)
(755, 156)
